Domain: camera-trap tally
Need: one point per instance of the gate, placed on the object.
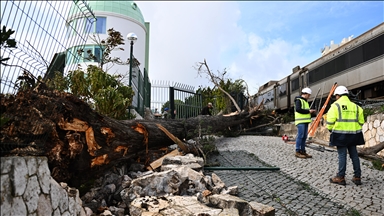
(181, 100)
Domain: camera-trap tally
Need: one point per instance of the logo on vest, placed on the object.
(344, 107)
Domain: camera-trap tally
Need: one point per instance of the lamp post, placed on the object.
(131, 37)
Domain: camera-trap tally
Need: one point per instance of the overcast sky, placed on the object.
(257, 41)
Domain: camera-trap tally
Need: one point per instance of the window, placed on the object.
(73, 57)
(101, 25)
(97, 54)
(283, 89)
(268, 97)
(87, 50)
(95, 50)
(134, 5)
(358, 55)
(295, 84)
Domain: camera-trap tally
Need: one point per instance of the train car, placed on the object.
(355, 63)
(267, 93)
(282, 88)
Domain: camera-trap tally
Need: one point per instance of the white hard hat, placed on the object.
(306, 90)
(341, 90)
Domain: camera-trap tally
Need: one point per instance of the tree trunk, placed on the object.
(80, 143)
(371, 152)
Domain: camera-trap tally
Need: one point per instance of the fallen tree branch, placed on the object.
(263, 125)
(371, 152)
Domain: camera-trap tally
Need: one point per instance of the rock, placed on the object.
(233, 190)
(261, 209)
(180, 188)
(106, 213)
(170, 206)
(189, 160)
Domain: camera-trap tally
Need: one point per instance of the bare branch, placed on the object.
(263, 125)
(216, 80)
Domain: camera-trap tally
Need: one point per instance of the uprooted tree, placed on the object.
(81, 143)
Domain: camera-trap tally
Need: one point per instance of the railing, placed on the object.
(141, 86)
(40, 34)
(181, 100)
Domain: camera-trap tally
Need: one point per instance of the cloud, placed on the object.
(253, 40)
(184, 33)
(266, 59)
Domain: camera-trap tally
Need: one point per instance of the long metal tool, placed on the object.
(321, 98)
(313, 127)
(241, 168)
(314, 98)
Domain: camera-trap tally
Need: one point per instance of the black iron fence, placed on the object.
(141, 86)
(40, 32)
(181, 100)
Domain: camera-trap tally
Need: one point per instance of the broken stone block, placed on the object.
(171, 206)
(189, 160)
(261, 209)
(233, 190)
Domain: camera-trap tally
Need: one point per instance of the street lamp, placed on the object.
(132, 37)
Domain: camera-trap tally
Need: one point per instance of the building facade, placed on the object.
(124, 17)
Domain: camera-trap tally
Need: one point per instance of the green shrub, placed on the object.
(377, 165)
(3, 120)
(288, 117)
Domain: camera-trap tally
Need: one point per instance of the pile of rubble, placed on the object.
(180, 188)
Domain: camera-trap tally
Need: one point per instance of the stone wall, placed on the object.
(373, 130)
(27, 188)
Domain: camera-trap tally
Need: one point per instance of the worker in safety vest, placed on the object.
(345, 120)
(302, 120)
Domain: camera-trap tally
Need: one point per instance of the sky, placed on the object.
(256, 41)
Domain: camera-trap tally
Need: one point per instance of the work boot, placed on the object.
(306, 155)
(299, 155)
(338, 180)
(356, 180)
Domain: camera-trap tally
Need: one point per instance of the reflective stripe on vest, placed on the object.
(349, 123)
(302, 118)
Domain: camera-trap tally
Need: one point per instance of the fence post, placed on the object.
(172, 101)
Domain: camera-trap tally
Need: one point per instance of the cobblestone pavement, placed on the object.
(301, 187)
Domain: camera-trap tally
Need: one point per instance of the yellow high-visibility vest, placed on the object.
(302, 118)
(345, 117)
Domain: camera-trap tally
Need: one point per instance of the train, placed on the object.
(356, 63)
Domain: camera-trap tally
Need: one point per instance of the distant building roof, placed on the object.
(125, 8)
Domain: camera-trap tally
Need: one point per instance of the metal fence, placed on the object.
(141, 86)
(40, 33)
(181, 100)
(41, 29)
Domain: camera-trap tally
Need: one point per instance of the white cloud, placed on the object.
(183, 33)
(255, 41)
